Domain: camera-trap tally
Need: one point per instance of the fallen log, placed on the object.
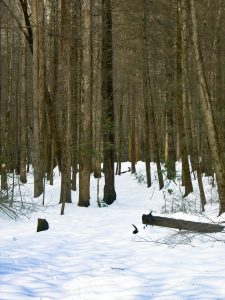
(181, 224)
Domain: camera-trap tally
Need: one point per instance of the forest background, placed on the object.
(90, 82)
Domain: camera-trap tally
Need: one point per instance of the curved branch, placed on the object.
(24, 7)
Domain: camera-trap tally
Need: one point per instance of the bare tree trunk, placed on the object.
(108, 103)
(65, 195)
(37, 106)
(186, 177)
(193, 139)
(7, 143)
(133, 128)
(96, 89)
(171, 155)
(150, 103)
(2, 162)
(23, 116)
(146, 129)
(10, 105)
(30, 37)
(75, 65)
(156, 145)
(131, 122)
(16, 124)
(85, 107)
(206, 108)
(0, 94)
(218, 74)
(119, 151)
(54, 151)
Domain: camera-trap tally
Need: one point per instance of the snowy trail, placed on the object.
(91, 254)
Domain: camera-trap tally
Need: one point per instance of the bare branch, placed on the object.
(24, 6)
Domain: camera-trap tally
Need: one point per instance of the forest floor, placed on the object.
(92, 253)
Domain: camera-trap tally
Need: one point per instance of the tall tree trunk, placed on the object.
(75, 68)
(171, 155)
(207, 111)
(193, 139)
(132, 96)
(31, 35)
(37, 99)
(85, 106)
(120, 146)
(65, 195)
(23, 116)
(54, 152)
(7, 146)
(0, 91)
(186, 177)
(96, 89)
(146, 133)
(0, 94)
(146, 107)
(2, 162)
(150, 103)
(108, 103)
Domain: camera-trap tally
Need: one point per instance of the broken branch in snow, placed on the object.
(181, 224)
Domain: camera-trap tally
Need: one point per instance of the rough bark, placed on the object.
(85, 107)
(119, 151)
(149, 95)
(2, 163)
(30, 35)
(108, 103)
(193, 138)
(23, 123)
(37, 107)
(97, 155)
(65, 194)
(186, 177)
(133, 129)
(170, 155)
(146, 135)
(75, 61)
(170, 147)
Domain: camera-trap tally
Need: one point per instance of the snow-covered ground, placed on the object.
(92, 253)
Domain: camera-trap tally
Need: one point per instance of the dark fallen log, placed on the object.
(181, 224)
(123, 172)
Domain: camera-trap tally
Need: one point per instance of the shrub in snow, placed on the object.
(17, 200)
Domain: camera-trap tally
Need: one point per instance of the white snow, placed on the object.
(92, 254)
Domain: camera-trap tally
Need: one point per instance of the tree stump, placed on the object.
(42, 225)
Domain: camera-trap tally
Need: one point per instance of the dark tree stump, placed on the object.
(181, 224)
(42, 225)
